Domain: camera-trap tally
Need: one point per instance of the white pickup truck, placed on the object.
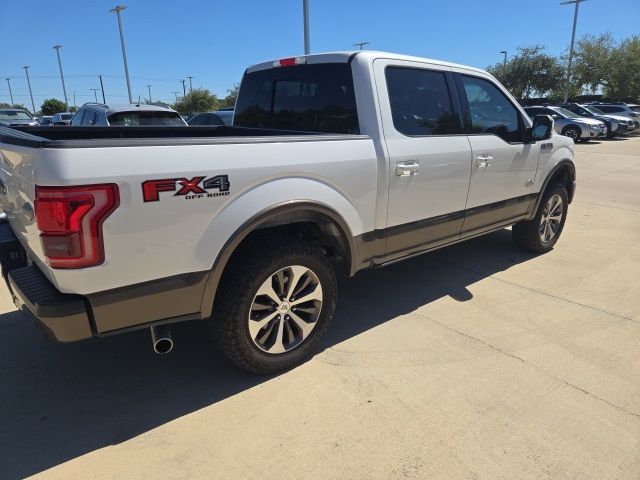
(350, 160)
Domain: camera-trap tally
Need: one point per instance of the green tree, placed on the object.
(15, 105)
(197, 100)
(624, 77)
(51, 106)
(530, 72)
(602, 65)
(592, 61)
(230, 99)
(158, 103)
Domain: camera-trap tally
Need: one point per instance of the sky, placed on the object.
(215, 40)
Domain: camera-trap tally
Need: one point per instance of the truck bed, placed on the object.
(83, 137)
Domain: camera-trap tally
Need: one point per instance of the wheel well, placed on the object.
(564, 175)
(305, 222)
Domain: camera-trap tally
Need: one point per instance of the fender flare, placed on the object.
(560, 165)
(264, 216)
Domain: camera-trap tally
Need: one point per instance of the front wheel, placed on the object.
(540, 234)
(572, 132)
(275, 303)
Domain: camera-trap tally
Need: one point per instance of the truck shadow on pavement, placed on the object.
(58, 402)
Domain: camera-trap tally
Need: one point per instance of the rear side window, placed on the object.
(133, 119)
(89, 118)
(491, 111)
(311, 98)
(420, 102)
(77, 118)
(610, 109)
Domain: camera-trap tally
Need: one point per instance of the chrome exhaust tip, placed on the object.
(161, 339)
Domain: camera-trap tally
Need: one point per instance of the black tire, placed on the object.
(244, 276)
(610, 133)
(572, 131)
(527, 234)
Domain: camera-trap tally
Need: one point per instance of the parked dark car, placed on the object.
(15, 117)
(207, 118)
(224, 116)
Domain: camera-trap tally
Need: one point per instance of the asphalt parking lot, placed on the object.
(476, 361)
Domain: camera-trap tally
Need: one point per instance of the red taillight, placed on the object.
(289, 62)
(70, 219)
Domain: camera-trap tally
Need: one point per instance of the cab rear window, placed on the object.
(311, 98)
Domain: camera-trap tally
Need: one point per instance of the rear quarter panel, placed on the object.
(151, 240)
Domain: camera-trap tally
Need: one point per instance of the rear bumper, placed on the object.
(63, 317)
(68, 317)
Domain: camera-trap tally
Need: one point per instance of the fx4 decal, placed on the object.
(188, 188)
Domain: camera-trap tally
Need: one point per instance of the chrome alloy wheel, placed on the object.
(285, 309)
(551, 218)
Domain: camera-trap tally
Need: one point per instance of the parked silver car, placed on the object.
(567, 123)
(616, 124)
(62, 118)
(100, 115)
(14, 117)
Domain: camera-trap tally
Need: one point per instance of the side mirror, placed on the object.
(542, 128)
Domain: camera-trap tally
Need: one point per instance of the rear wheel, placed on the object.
(540, 234)
(276, 302)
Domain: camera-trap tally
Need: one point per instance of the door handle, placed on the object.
(405, 169)
(483, 160)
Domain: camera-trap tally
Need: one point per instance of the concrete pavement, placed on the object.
(476, 361)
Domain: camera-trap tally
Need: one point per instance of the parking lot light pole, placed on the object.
(176, 95)
(190, 84)
(95, 93)
(149, 87)
(184, 88)
(33, 105)
(64, 88)
(10, 93)
(104, 100)
(305, 14)
(361, 44)
(504, 62)
(117, 9)
(573, 38)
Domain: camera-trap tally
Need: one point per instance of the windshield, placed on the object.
(133, 119)
(564, 112)
(594, 110)
(10, 115)
(310, 98)
(66, 116)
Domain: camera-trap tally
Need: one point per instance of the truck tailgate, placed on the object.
(17, 193)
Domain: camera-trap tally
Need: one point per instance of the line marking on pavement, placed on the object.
(574, 302)
(608, 206)
(532, 365)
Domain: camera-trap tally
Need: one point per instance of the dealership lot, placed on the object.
(477, 361)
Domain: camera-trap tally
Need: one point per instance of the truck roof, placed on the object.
(346, 56)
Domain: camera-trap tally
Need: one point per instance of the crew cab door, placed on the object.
(503, 166)
(429, 155)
